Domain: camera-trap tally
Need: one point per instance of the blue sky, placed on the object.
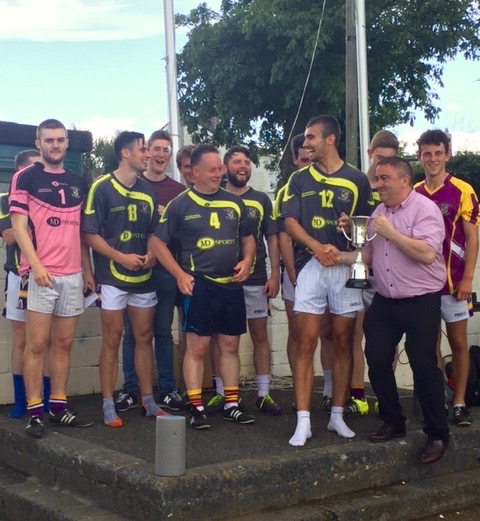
(99, 65)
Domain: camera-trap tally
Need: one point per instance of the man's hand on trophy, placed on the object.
(326, 254)
(344, 223)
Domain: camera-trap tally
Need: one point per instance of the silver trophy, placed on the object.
(358, 270)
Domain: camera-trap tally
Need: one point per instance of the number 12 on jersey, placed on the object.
(326, 198)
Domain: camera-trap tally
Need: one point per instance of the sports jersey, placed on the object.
(52, 201)
(12, 251)
(208, 227)
(457, 202)
(124, 217)
(316, 201)
(262, 223)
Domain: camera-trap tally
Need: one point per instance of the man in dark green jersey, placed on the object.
(314, 199)
(212, 227)
(120, 213)
(259, 287)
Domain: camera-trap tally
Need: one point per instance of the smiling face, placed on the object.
(316, 143)
(208, 173)
(239, 170)
(393, 188)
(434, 159)
(137, 155)
(160, 154)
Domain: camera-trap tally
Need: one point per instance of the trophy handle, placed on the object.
(370, 238)
(345, 233)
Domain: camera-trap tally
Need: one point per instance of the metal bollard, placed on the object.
(170, 439)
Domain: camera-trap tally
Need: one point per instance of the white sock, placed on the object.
(327, 383)
(338, 424)
(303, 430)
(109, 413)
(263, 384)
(219, 385)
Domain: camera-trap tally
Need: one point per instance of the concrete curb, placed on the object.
(128, 485)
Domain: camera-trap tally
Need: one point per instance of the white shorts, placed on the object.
(454, 310)
(256, 302)
(114, 299)
(288, 289)
(63, 299)
(12, 288)
(319, 287)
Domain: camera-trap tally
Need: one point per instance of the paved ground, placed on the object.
(224, 441)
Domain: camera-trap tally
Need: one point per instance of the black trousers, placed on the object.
(419, 319)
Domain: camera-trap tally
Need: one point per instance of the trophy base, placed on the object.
(358, 284)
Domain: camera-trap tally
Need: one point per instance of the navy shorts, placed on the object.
(214, 308)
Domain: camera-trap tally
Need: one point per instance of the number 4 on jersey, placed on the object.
(214, 220)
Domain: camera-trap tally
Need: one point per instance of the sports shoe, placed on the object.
(268, 406)
(172, 401)
(126, 401)
(35, 427)
(327, 404)
(355, 406)
(235, 414)
(376, 408)
(215, 404)
(461, 416)
(69, 418)
(198, 420)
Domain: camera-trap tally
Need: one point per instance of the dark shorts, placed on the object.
(214, 309)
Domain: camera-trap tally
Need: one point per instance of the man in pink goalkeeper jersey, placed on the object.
(45, 208)
(459, 206)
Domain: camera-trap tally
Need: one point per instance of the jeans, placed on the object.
(166, 288)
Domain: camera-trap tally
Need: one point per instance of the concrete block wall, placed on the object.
(84, 374)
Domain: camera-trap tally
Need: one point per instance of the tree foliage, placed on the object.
(100, 160)
(243, 70)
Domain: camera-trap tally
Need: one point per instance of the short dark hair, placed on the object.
(330, 127)
(296, 144)
(401, 166)
(237, 149)
(159, 134)
(125, 140)
(201, 150)
(185, 151)
(50, 124)
(22, 159)
(384, 139)
(434, 137)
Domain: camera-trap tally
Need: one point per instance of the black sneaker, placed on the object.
(172, 401)
(69, 418)
(198, 419)
(235, 414)
(327, 404)
(35, 427)
(215, 404)
(267, 405)
(461, 416)
(126, 401)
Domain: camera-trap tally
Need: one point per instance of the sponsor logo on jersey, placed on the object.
(127, 235)
(205, 243)
(318, 222)
(54, 221)
(191, 217)
(56, 183)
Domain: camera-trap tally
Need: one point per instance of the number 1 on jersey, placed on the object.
(214, 220)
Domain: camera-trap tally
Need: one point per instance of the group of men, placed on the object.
(149, 236)
(206, 234)
(422, 254)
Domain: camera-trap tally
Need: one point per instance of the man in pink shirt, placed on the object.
(45, 207)
(406, 257)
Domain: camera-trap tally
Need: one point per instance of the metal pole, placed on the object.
(362, 84)
(351, 90)
(172, 92)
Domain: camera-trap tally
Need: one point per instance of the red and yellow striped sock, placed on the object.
(231, 397)
(195, 397)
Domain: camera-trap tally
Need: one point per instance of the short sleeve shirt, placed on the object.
(124, 217)
(209, 228)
